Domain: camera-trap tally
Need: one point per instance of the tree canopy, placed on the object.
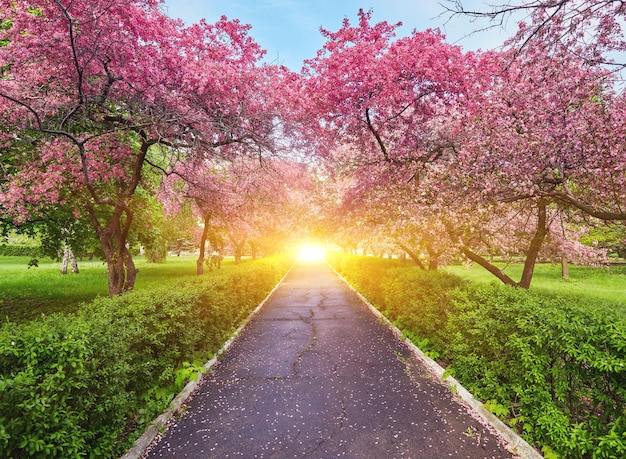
(395, 144)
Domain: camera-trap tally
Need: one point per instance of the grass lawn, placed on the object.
(26, 293)
(602, 287)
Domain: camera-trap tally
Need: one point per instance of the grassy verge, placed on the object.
(27, 293)
(603, 287)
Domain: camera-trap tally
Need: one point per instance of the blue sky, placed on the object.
(289, 29)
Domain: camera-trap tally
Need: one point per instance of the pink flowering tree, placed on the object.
(541, 140)
(386, 111)
(378, 94)
(488, 146)
(80, 83)
(389, 205)
(239, 127)
(94, 91)
(242, 201)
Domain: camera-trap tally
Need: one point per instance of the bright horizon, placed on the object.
(289, 29)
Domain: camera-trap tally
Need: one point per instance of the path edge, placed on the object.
(519, 446)
(160, 422)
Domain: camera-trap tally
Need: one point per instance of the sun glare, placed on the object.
(311, 252)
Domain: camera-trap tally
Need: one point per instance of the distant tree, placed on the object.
(58, 230)
(246, 201)
(610, 236)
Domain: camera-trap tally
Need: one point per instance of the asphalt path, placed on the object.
(316, 375)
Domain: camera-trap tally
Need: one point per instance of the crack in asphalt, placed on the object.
(342, 418)
(309, 321)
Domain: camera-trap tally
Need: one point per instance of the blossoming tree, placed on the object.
(93, 91)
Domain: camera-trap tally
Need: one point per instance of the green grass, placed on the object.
(26, 293)
(600, 287)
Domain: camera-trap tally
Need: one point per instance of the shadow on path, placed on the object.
(316, 375)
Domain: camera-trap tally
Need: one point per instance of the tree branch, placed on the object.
(373, 130)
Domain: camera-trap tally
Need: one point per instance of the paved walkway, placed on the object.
(316, 375)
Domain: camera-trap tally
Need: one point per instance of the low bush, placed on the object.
(559, 368)
(417, 302)
(553, 369)
(87, 384)
(20, 250)
(364, 273)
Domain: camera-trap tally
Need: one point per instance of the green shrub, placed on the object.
(20, 250)
(76, 385)
(43, 378)
(156, 253)
(559, 367)
(366, 274)
(417, 302)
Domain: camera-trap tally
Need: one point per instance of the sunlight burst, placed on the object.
(311, 252)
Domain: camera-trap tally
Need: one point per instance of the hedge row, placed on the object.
(86, 385)
(554, 370)
(20, 250)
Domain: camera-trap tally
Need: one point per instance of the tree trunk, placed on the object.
(74, 262)
(238, 254)
(115, 270)
(414, 256)
(69, 256)
(470, 255)
(433, 263)
(535, 245)
(205, 234)
(121, 271)
(65, 261)
(488, 266)
(564, 268)
(433, 257)
(131, 270)
(238, 246)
